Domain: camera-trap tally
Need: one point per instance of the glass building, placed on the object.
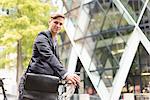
(107, 41)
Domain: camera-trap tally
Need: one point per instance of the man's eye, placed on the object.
(58, 23)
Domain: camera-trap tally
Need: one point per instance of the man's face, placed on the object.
(55, 25)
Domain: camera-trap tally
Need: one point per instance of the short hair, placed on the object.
(54, 16)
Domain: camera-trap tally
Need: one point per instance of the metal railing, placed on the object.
(85, 97)
(142, 96)
(135, 96)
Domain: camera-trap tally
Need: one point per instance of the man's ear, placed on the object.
(49, 21)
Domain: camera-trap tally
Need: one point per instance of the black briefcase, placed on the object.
(41, 83)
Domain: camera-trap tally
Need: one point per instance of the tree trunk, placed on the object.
(19, 61)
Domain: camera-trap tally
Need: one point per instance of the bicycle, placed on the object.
(3, 90)
(68, 91)
(45, 87)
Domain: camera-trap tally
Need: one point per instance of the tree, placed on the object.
(19, 26)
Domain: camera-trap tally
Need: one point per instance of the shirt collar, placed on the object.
(53, 40)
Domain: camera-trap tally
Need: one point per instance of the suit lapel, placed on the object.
(50, 39)
(54, 49)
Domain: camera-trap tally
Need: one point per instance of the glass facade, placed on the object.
(102, 31)
(144, 23)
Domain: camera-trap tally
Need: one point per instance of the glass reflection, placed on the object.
(145, 23)
(133, 7)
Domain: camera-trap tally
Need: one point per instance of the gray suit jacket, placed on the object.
(45, 57)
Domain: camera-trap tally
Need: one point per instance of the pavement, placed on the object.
(9, 97)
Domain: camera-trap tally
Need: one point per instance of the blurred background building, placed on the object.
(106, 42)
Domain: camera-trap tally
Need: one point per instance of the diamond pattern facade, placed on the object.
(111, 40)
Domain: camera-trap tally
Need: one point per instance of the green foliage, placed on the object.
(27, 18)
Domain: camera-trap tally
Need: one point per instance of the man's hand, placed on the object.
(75, 79)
